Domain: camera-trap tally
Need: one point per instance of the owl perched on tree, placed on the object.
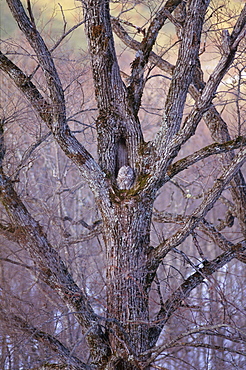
(125, 178)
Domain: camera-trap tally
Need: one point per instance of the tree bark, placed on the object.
(127, 243)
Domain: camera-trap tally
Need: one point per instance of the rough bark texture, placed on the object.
(124, 338)
(126, 273)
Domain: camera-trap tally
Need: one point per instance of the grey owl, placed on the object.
(125, 177)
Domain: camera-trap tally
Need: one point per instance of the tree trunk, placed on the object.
(127, 242)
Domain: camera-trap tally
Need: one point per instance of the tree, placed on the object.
(127, 178)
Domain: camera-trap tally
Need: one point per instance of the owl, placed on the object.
(125, 178)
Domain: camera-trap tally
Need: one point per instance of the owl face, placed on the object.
(125, 177)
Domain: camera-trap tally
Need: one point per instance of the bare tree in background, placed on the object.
(133, 327)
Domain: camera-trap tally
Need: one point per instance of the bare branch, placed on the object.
(29, 152)
(27, 87)
(220, 240)
(48, 340)
(200, 330)
(136, 85)
(18, 263)
(182, 73)
(95, 230)
(210, 198)
(44, 58)
(29, 8)
(65, 34)
(175, 301)
(135, 45)
(52, 269)
(206, 227)
(203, 153)
(67, 141)
(239, 29)
(214, 347)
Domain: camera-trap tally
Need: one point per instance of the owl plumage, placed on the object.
(125, 178)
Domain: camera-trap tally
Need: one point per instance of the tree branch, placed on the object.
(210, 198)
(202, 104)
(135, 45)
(18, 264)
(136, 81)
(52, 269)
(213, 346)
(175, 300)
(67, 141)
(48, 340)
(220, 240)
(54, 114)
(44, 58)
(204, 226)
(182, 73)
(28, 154)
(203, 153)
(199, 330)
(65, 34)
(109, 88)
(216, 125)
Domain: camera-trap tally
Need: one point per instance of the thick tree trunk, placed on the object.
(127, 241)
